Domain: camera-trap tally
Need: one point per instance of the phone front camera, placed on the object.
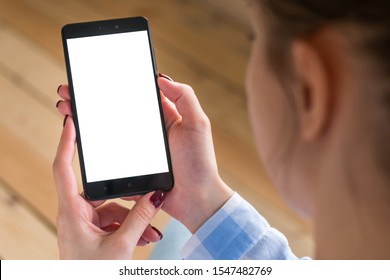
(116, 26)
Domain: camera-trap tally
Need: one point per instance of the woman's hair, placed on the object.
(370, 21)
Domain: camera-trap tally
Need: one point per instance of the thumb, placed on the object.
(185, 100)
(140, 217)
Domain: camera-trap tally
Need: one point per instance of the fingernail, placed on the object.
(58, 89)
(66, 117)
(58, 103)
(157, 198)
(165, 77)
(158, 232)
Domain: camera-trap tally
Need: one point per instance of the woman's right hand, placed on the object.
(198, 190)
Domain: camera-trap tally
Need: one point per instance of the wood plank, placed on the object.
(23, 235)
(235, 10)
(30, 66)
(176, 66)
(212, 45)
(30, 71)
(205, 40)
(33, 24)
(236, 123)
(28, 172)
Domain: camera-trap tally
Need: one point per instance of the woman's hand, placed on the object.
(198, 191)
(93, 230)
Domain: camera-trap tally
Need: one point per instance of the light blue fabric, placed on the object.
(237, 231)
(175, 236)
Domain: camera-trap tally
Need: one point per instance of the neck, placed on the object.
(352, 210)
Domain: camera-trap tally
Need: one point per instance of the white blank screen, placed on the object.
(117, 106)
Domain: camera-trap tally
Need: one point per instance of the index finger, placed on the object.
(140, 217)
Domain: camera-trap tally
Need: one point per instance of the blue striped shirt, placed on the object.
(237, 231)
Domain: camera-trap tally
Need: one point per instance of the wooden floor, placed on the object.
(196, 42)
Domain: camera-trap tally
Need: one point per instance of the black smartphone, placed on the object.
(121, 137)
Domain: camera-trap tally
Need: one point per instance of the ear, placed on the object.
(312, 92)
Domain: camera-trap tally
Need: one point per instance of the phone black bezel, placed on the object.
(122, 186)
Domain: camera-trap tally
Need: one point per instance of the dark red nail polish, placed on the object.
(66, 117)
(58, 89)
(157, 198)
(158, 232)
(165, 77)
(58, 103)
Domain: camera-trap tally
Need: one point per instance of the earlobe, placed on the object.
(312, 92)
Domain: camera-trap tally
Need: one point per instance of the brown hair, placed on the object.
(292, 19)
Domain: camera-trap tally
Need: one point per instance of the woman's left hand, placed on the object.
(94, 230)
